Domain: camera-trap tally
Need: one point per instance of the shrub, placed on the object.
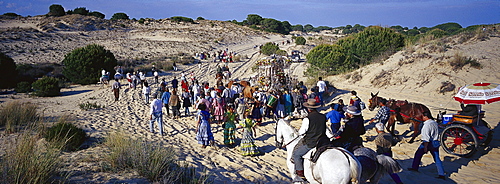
(8, 69)
(10, 14)
(200, 18)
(65, 135)
(459, 61)
(269, 48)
(182, 19)
(86, 106)
(300, 40)
(15, 115)
(84, 65)
(56, 10)
(281, 52)
(23, 87)
(81, 11)
(151, 160)
(28, 162)
(437, 33)
(118, 16)
(97, 14)
(356, 50)
(46, 87)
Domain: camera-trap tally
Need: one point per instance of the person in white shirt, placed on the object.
(156, 115)
(321, 89)
(146, 90)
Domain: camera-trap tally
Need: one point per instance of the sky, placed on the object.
(332, 13)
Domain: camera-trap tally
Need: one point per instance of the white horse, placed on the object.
(333, 166)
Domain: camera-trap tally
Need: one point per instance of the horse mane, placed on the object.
(287, 122)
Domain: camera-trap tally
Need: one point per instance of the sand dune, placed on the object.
(129, 114)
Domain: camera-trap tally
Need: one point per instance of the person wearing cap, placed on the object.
(313, 129)
(384, 141)
(430, 143)
(383, 113)
(350, 137)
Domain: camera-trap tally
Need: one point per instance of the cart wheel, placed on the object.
(459, 140)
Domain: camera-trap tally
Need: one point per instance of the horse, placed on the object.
(104, 80)
(403, 111)
(375, 166)
(333, 165)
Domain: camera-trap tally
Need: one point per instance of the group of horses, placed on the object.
(337, 165)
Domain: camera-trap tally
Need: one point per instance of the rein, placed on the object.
(406, 116)
(289, 142)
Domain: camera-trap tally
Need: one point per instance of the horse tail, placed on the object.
(355, 167)
(389, 164)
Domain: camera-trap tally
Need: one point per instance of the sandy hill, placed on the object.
(415, 74)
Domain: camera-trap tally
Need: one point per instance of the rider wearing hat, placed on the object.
(313, 129)
(350, 137)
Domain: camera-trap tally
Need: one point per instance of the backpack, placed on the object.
(362, 105)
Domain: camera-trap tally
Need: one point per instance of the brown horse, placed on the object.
(403, 111)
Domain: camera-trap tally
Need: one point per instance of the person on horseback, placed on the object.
(313, 129)
(350, 136)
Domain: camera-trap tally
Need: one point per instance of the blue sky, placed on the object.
(333, 13)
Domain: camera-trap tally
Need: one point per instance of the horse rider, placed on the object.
(350, 137)
(313, 129)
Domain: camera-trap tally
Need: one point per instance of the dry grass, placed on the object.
(458, 61)
(151, 160)
(16, 115)
(28, 161)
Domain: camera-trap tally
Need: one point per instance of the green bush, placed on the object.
(437, 33)
(7, 69)
(26, 161)
(300, 40)
(65, 135)
(97, 14)
(182, 19)
(118, 16)
(16, 115)
(84, 65)
(46, 87)
(23, 87)
(81, 11)
(56, 10)
(281, 53)
(356, 50)
(10, 14)
(269, 48)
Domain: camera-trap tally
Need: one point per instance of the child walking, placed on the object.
(230, 117)
(248, 147)
(204, 134)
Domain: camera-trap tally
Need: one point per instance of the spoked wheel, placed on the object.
(459, 140)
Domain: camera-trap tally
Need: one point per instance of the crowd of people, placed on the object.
(229, 106)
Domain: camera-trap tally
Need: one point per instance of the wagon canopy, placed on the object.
(478, 93)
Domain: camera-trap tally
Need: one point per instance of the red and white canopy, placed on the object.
(478, 93)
